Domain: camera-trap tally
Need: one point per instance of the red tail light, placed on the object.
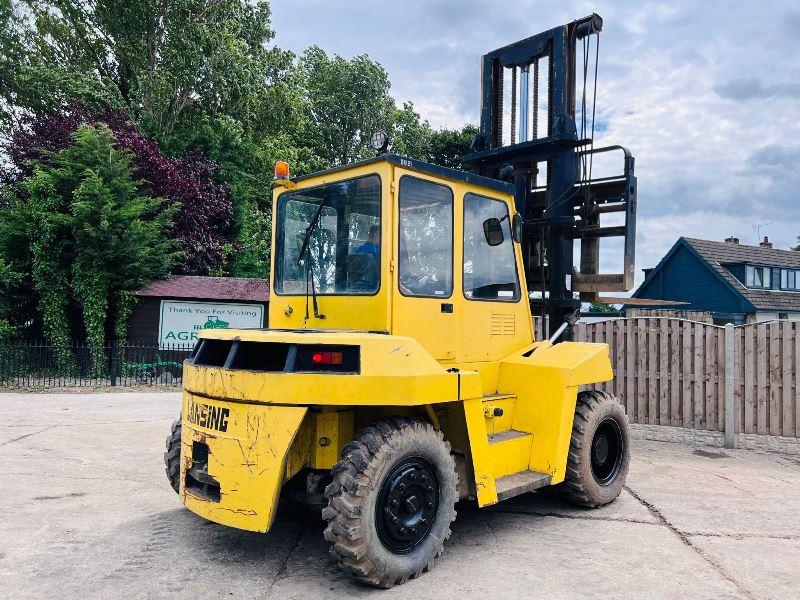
(327, 358)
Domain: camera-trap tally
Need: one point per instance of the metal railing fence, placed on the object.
(39, 364)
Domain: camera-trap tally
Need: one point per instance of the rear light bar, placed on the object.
(277, 357)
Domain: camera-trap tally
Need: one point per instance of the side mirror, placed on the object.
(516, 228)
(493, 231)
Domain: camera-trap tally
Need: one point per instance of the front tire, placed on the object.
(599, 453)
(391, 501)
(172, 457)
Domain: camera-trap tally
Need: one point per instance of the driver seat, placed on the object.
(362, 272)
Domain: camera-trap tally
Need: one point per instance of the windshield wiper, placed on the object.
(312, 225)
(304, 250)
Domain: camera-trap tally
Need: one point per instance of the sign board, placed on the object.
(180, 321)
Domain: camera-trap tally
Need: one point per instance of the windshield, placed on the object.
(343, 251)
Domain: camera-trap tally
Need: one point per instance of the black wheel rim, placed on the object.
(407, 504)
(608, 448)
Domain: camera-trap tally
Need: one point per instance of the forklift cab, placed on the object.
(404, 247)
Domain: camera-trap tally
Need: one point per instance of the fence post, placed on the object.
(730, 407)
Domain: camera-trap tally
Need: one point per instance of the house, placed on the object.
(732, 282)
(171, 312)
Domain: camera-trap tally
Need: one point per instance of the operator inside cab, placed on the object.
(373, 244)
(364, 267)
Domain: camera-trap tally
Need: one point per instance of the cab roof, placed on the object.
(423, 167)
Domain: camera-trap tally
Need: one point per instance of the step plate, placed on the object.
(508, 434)
(493, 397)
(520, 483)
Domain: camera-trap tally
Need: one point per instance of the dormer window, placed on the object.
(790, 279)
(771, 278)
(758, 277)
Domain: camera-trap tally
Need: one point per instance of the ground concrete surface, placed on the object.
(86, 511)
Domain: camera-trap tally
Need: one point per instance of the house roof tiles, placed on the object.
(719, 254)
(208, 288)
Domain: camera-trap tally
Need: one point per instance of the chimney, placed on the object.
(766, 243)
(732, 240)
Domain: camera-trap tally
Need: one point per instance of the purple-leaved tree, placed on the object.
(204, 218)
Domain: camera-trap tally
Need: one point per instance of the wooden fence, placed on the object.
(690, 374)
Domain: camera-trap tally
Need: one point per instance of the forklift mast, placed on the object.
(568, 203)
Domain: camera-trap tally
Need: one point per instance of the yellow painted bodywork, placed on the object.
(514, 458)
(547, 407)
(248, 460)
(451, 368)
(331, 430)
(395, 371)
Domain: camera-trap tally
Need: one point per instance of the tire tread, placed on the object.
(172, 456)
(574, 487)
(351, 477)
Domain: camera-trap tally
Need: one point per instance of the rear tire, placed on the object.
(172, 457)
(391, 501)
(599, 452)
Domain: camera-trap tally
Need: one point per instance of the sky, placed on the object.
(706, 95)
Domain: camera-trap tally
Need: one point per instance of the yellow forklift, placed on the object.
(400, 373)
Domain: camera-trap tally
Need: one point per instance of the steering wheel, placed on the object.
(415, 284)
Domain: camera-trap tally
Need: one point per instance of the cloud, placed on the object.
(749, 88)
(705, 96)
(776, 155)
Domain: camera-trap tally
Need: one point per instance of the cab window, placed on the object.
(490, 272)
(425, 238)
(337, 228)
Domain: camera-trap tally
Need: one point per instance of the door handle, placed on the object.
(447, 307)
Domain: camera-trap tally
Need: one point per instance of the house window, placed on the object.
(759, 277)
(789, 280)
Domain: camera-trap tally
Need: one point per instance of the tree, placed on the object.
(447, 146)
(8, 279)
(206, 105)
(204, 207)
(204, 216)
(246, 165)
(158, 58)
(410, 135)
(12, 55)
(347, 101)
(32, 78)
(599, 307)
(93, 239)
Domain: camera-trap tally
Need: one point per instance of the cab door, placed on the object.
(423, 306)
(495, 316)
